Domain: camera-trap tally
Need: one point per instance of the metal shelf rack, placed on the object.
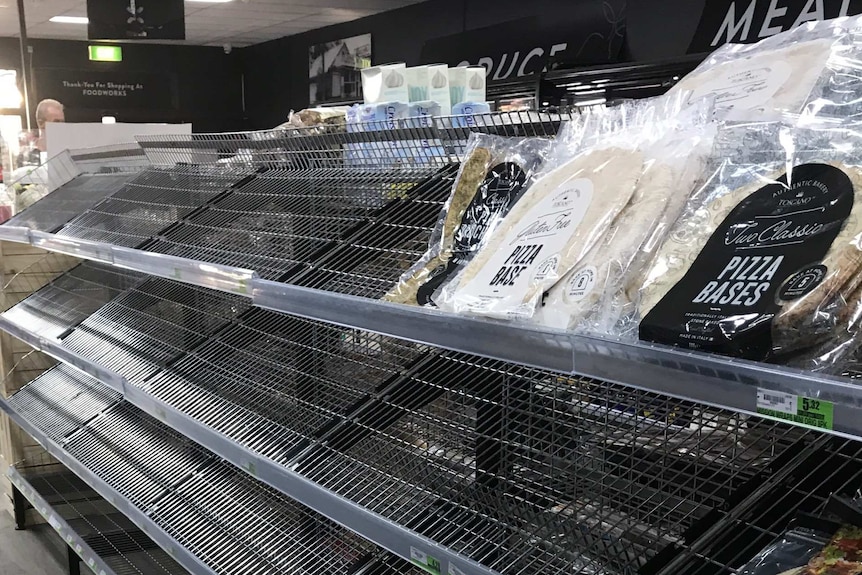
(208, 515)
(467, 446)
(95, 533)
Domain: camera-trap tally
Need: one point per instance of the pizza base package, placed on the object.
(492, 177)
(600, 291)
(564, 213)
(763, 262)
(814, 67)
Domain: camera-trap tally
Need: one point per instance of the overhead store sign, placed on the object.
(85, 89)
(136, 20)
(589, 32)
(746, 21)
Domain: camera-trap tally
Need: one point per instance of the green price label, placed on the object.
(798, 409)
(425, 561)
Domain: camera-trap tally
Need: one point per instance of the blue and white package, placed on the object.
(465, 113)
(422, 115)
(378, 117)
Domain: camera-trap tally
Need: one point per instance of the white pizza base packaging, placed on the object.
(566, 211)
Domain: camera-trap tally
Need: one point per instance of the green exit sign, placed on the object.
(106, 53)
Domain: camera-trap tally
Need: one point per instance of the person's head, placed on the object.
(49, 111)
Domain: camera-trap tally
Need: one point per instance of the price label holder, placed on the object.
(425, 561)
(798, 409)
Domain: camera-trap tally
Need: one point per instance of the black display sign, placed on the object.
(747, 21)
(766, 253)
(136, 20)
(497, 193)
(85, 89)
(589, 32)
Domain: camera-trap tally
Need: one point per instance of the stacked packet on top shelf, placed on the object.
(764, 260)
(566, 212)
(598, 295)
(814, 67)
(491, 179)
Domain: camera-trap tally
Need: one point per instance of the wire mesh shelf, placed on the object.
(151, 324)
(528, 473)
(149, 203)
(71, 298)
(232, 523)
(105, 539)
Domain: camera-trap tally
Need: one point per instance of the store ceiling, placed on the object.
(239, 22)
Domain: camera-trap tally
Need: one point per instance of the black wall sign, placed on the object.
(136, 19)
(90, 90)
(746, 21)
(587, 32)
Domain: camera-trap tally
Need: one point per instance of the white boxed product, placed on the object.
(417, 83)
(438, 87)
(386, 83)
(467, 84)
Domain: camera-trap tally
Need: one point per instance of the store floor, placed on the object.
(35, 551)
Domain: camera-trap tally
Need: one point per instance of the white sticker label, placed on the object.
(776, 401)
(530, 253)
(580, 285)
(418, 555)
(52, 520)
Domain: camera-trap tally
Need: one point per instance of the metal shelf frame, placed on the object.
(706, 378)
(138, 517)
(60, 525)
(702, 378)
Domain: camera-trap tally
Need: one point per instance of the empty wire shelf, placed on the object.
(221, 519)
(281, 222)
(102, 537)
(69, 200)
(151, 324)
(149, 203)
(71, 298)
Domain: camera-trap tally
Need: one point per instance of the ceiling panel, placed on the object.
(240, 22)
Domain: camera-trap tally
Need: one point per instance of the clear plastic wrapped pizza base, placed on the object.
(492, 178)
(566, 211)
(598, 295)
(765, 260)
(816, 67)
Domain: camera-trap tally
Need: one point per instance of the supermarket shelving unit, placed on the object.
(230, 381)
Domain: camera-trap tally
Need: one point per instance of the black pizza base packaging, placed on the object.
(765, 256)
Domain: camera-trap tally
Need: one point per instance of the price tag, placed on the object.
(798, 409)
(425, 561)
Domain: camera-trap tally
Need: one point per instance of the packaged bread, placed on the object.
(815, 66)
(764, 247)
(566, 211)
(599, 293)
(492, 177)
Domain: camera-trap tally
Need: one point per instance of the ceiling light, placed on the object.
(596, 102)
(70, 20)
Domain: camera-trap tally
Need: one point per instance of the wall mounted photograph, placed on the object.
(334, 69)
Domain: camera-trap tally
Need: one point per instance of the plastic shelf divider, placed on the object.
(213, 276)
(15, 234)
(139, 518)
(86, 249)
(72, 539)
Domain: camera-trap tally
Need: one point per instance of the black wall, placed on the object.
(276, 73)
(206, 81)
